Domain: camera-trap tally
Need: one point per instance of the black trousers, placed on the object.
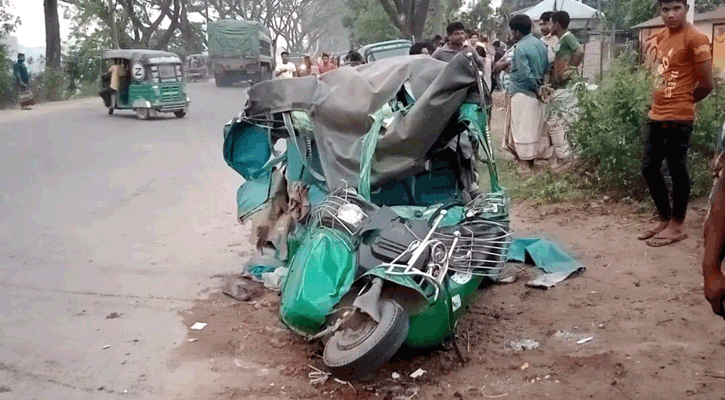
(667, 140)
(106, 94)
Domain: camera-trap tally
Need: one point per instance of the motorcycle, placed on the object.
(373, 204)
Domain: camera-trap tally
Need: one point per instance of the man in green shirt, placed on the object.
(20, 71)
(524, 113)
(563, 105)
(22, 81)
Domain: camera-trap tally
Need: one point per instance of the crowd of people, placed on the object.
(325, 63)
(534, 72)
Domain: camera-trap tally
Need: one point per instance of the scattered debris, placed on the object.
(192, 340)
(585, 340)
(101, 388)
(396, 375)
(524, 367)
(113, 315)
(4, 389)
(108, 346)
(317, 376)
(341, 382)
(198, 326)
(239, 289)
(525, 344)
(492, 396)
(418, 373)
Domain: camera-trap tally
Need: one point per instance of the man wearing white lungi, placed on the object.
(525, 111)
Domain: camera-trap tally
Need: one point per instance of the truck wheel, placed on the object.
(180, 114)
(362, 347)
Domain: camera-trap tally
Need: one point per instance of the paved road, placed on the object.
(106, 214)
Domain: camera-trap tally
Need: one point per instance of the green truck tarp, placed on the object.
(235, 39)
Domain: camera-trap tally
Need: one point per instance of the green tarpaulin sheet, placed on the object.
(232, 39)
(546, 255)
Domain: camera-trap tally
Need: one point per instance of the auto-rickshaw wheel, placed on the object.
(180, 114)
(110, 110)
(143, 113)
(360, 348)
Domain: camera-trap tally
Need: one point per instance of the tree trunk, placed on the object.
(52, 34)
(114, 30)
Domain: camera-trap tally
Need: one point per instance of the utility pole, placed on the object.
(114, 31)
(691, 12)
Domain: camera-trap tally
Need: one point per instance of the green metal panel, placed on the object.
(164, 94)
(320, 274)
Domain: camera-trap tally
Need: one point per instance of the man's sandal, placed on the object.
(659, 242)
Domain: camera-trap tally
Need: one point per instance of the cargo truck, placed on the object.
(240, 51)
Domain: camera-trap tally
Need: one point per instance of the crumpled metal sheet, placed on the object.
(547, 281)
(298, 205)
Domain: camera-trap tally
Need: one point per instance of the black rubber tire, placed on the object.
(218, 81)
(180, 114)
(143, 113)
(110, 110)
(375, 350)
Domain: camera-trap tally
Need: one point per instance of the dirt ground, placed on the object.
(652, 333)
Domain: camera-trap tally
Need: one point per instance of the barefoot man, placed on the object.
(684, 78)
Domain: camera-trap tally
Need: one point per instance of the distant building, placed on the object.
(582, 16)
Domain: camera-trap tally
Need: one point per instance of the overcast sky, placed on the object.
(32, 31)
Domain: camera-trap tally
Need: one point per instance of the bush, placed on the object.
(608, 132)
(51, 85)
(608, 138)
(7, 81)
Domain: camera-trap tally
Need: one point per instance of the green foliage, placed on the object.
(543, 187)
(480, 17)
(50, 85)
(369, 23)
(8, 24)
(7, 81)
(608, 138)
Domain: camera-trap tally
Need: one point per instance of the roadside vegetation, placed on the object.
(607, 140)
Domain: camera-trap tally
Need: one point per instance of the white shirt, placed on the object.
(552, 45)
(287, 70)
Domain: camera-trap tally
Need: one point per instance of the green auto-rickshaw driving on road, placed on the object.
(147, 81)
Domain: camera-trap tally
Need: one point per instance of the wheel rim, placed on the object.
(352, 337)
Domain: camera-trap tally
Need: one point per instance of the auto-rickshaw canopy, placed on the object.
(144, 56)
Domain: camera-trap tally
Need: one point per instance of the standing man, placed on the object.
(525, 112)
(548, 37)
(20, 71)
(117, 72)
(684, 78)
(568, 57)
(457, 43)
(325, 64)
(22, 79)
(285, 69)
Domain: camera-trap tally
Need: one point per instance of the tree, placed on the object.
(140, 21)
(408, 16)
(480, 17)
(52, 34)
(8, 24)
(368, 23)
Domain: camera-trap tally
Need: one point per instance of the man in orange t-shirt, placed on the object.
(684, 78)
